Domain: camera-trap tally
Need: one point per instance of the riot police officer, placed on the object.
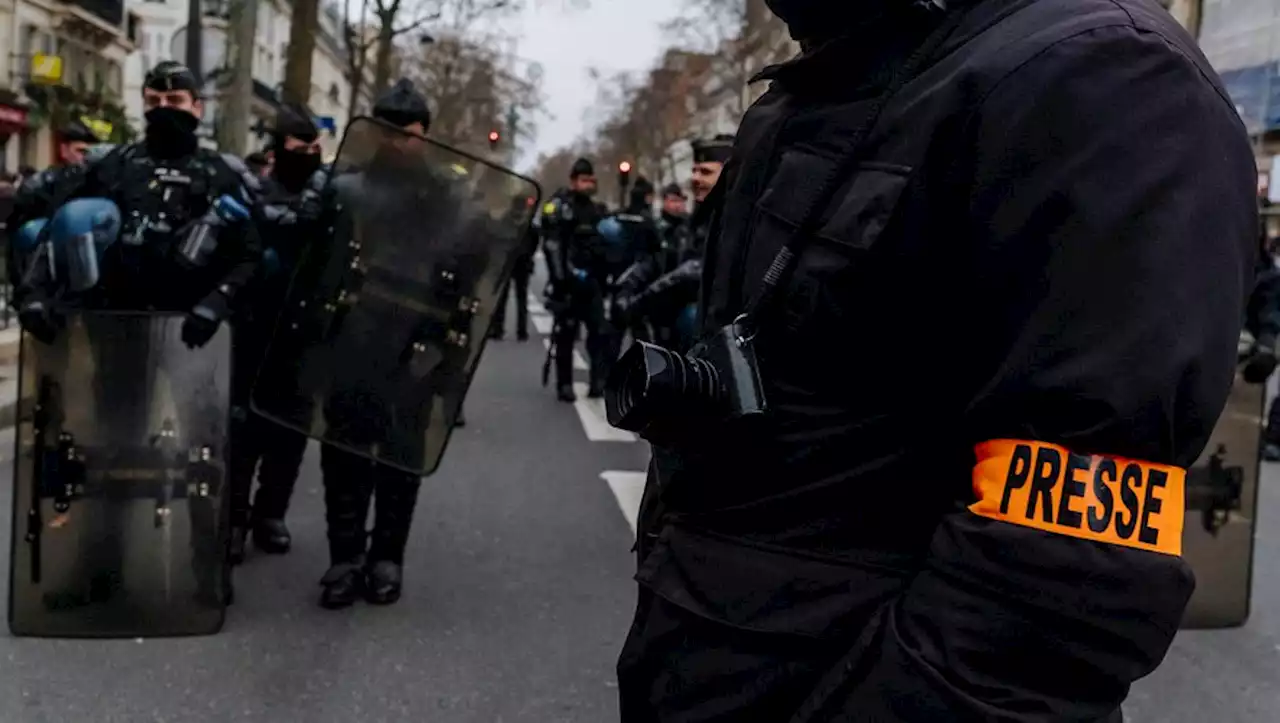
(578, 278)
(290, 194)
(519, 281)
(161, 186)
(160, 254)
(651, 324)
(370, 564)
(34, 199)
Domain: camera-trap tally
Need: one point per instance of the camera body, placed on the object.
(667, 398)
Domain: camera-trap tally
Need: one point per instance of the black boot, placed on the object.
(272, 537)
(281, 459)
(383, 581)
(394, 502)
(343, 585)
(348, 485)
(566, 394)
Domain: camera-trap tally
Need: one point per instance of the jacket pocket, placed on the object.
(853, 222)
(768, 589)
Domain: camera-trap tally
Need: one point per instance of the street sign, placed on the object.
(46, 69)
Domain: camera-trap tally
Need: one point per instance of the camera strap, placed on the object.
(784, 263)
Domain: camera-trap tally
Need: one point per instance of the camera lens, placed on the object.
(651, 385)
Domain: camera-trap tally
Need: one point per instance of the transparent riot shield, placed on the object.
(1222, 502)
(118, 481)
(385, 321)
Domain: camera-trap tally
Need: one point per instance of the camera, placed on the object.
(667, 398)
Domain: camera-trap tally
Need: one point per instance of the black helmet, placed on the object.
(713, 150)
(673, 189)
(294, 119)
(76, 132)
(172, 75)
(402, 106)
(582, 167)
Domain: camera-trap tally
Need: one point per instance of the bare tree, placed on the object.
(741, 37)
(391, 26)
(303, 24)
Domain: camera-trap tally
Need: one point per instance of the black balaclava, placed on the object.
(581, 167)
(293, 168)
(171, 133)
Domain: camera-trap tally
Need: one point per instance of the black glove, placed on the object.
(38, 320)
(203, 321)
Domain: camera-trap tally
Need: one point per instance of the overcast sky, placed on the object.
(566, 40)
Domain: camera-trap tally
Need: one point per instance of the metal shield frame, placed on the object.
(388, 314)
(1222, 505)
(118, 525)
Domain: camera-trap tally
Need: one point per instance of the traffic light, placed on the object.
(494, 137)
(624, 174)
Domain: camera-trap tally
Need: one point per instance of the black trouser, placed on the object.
(350, 482)
(1272, 435)
(275, 453)
(257, 444)
(586, 307)
(521, 283)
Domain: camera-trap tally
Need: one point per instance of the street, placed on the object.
(517, 598)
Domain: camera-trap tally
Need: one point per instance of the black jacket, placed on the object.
(159, 201)
(1038, 244)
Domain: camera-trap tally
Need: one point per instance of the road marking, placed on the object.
(535, 305)
(628, 490)
(579, 363)
(542, 322)
(594, 421)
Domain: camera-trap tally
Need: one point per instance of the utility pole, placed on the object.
(233, 130)
(195, 46)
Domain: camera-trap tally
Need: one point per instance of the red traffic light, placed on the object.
(624, 167)
(494, 136)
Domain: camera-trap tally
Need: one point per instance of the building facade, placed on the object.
(61, 61)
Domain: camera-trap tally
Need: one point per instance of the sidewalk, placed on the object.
(9, 339)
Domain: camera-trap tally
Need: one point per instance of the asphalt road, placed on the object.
(517, 598)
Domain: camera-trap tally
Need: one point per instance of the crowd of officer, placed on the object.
(624, 274)
(145, 202)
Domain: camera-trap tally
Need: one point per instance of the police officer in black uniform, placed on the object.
(290, 199)
(654, 322)
(163, 186)
(519, 281)
(160, 185)
(577, 278)
(370, 564)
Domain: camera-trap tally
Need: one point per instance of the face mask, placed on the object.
(171, 131)
(293, 169)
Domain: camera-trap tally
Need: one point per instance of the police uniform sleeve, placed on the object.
(1113, 217)
(243, 251)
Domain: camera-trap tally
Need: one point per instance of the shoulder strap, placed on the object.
(783, 264)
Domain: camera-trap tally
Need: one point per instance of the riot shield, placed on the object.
(385, 322)
(1222, 502)
(118, 481)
